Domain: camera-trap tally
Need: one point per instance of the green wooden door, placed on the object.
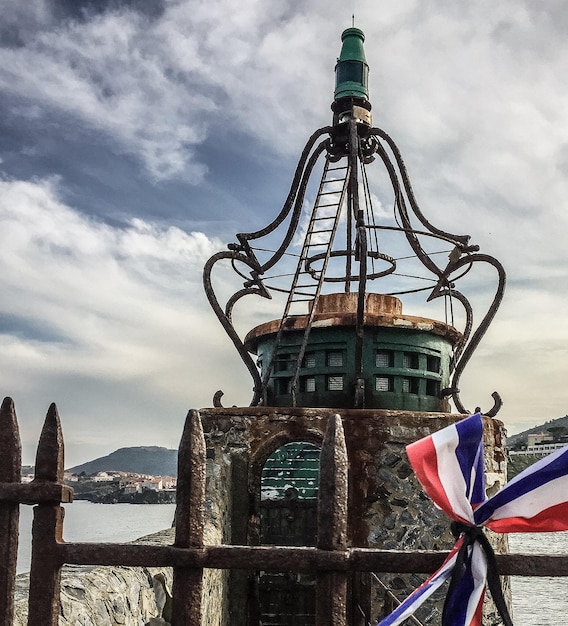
(289, 488)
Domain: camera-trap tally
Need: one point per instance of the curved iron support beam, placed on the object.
(410, 232)
(225, 317)
(462, 239)
(217, 399)
(480, 331)
(297, 198)
(243, 253)
(299, 182)
(466, 348)
(448, 291)
(497, 404)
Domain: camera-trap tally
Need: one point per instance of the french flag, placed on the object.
(536, 500)
(449, 465)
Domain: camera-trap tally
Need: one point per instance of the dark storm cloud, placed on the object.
(18, 326)
(85, 9)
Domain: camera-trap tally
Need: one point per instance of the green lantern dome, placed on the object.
(352, 71)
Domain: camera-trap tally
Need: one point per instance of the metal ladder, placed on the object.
(306, 288)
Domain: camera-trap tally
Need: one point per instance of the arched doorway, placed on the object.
(288, 517)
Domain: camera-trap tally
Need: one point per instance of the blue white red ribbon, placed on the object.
(449, 464)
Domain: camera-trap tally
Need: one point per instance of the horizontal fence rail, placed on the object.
(331, 559)
(282, 559)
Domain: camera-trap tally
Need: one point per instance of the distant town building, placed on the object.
(536, 438)
(538, 449)
(103, 477)
(152, 484)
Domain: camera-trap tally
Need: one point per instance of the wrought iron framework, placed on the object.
(357, 145)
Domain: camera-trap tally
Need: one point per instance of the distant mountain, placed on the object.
(138, 460)
(560, 422)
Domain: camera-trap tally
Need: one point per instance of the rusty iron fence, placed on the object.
(331, 559)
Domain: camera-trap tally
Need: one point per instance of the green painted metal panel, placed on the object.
(352, 71)
(291, 471)
(420, 355)
(288, 516)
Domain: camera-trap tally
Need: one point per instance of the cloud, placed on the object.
(154, 84)
(100, 310)
(108, 72)
(473, 95)
(523, 357)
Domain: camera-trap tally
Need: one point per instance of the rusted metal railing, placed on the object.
(332, 559)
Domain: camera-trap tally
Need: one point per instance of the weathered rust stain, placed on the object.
(323, 320)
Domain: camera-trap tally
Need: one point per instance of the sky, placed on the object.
(136, 139)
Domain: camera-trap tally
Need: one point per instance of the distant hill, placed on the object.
(560, 422)
(138, 460)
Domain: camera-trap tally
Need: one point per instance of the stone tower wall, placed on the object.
(387, 506)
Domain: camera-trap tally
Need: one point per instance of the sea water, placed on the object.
(87, 521)
(536, 601)
(539, 601)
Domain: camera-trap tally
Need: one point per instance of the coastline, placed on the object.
(120, 497)
(86, 521)
(103, 593)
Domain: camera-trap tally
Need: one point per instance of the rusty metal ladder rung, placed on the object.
(312, 231)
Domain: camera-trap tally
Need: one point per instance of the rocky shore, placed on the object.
(114, 497)
(94, 596)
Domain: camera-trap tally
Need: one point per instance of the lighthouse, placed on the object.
(351, 334)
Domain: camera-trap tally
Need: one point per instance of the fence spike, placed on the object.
(47, 527)
(191, 484)
(10, 444)
(190, 497)
(50, 450)
(332, 504)
(10, 472)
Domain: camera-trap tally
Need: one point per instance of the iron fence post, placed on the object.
(10, 472)
(47, 528)
(331, 594)
(189, 521)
